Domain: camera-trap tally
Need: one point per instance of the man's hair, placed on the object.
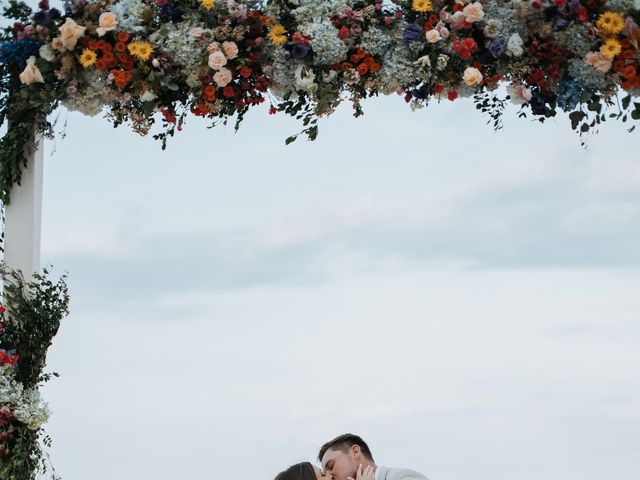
(343, 443)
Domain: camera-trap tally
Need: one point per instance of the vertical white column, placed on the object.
(23, 217)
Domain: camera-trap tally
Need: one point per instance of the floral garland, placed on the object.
(27, 326)
(157, 61)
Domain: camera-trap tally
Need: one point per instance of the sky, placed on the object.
(465, 300)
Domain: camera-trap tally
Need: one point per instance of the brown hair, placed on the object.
(343, 443)
(299, 471)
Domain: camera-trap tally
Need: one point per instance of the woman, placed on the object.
(307, 471)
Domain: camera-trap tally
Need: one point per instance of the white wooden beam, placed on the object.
(23, 217)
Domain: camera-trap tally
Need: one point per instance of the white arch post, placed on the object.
(23, 217)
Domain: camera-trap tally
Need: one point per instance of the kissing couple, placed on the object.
(346, 457)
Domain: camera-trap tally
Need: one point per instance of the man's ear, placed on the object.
(356, 451)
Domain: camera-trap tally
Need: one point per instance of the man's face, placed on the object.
(341, 464)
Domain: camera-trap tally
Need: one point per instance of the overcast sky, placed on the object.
(466, 301)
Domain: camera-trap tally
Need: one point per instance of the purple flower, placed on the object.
(412, 33)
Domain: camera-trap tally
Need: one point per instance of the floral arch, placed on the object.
(153, 63)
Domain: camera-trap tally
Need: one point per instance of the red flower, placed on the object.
(169, 115)
(629, 72)
(6, 359)
(452, 95)
(470, 44)
(245, 72)
(297, 37)
(344, 32)
(209, 93)
(273, 110)
(2, 309)
(200, 110)
(362, 69)
(228, 92)
(438, 89)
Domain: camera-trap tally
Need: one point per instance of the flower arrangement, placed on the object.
(31, 319)
(148, 62)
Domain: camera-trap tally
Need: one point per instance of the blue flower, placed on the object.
(18, 51)
(299, 51)
(169, 13)
(495, 47)
(560, 24)
(569, 94)
(40, 17)
(412, 33)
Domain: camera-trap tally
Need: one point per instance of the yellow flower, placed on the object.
(278, 35)
(610, 48)
(610, 23)
(88, 58)
(422, 5)
(140, 50)
(208, 4)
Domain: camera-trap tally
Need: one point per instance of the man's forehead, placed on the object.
(329, 455)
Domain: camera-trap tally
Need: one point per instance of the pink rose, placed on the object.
(70, 33)
(472, 76)
(230, 49)
(223, 77)
(31, 73)
(598, 61)
(107, 22)
(519, 94)
(217, 60)
(473, 12)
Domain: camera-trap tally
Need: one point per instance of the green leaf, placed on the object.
(626, 101)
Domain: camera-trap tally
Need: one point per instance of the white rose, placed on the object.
(433, 36)
(217, 60)
(31, 73)
(148, 96)
(330, 76)
(514, 45)
(305, 79)
(472, 76)
(47, 53)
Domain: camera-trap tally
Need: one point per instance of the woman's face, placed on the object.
(320, 475)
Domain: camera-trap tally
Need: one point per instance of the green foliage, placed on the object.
(34, 312)
(301, 110)
(488, 102)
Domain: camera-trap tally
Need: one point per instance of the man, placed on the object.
(342, 456)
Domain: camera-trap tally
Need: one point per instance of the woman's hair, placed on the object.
(299, 471)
